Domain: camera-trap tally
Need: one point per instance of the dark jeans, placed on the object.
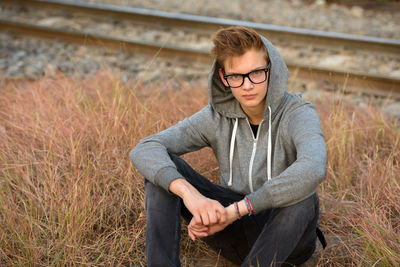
(276, 237)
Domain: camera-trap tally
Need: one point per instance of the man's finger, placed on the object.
(200, 228)
(205, 219)
(212, 215)
(199, 234)
(191, 235)
(197, 227)
(197, 218)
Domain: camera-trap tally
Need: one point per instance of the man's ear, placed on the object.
(221, 76)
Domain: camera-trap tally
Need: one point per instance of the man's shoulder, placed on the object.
(206, 113)
(206, 118)
(296, 98)
(299, 113)
(295, 104)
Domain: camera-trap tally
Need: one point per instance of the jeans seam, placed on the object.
(177, 233)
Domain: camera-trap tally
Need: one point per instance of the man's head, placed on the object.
(245, 67)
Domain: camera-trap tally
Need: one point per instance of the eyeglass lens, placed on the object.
(257, 76)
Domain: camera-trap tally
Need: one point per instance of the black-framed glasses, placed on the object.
(256, 76)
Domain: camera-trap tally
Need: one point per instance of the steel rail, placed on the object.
(347, 82)
(209, 24)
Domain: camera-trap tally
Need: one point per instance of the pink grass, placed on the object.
(70, 196)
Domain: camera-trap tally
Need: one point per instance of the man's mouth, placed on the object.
(248, 97)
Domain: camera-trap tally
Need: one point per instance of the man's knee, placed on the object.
(308, 207)
(157, 197)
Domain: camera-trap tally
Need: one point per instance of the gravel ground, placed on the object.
(316, 15)
(22, 57)
(339, 57)
(25, 57)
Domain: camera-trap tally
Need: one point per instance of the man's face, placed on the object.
(250, 96)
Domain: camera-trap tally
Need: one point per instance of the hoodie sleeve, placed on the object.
(150, 155)
(302, 177)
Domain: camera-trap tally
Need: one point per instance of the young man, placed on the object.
(271, 156)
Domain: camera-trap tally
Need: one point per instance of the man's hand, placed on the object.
(205, 211)
(209, 216)
(199, 230)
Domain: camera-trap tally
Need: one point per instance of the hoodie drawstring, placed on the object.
(232, 149)
(269, 146)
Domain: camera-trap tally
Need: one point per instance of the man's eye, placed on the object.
(235, 77)
(257, 72)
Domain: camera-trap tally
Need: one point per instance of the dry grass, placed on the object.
(70, 196)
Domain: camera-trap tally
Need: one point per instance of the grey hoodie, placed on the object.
(281, 166)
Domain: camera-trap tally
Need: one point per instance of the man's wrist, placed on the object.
(242, 208)
(231, 214)
(179, 187)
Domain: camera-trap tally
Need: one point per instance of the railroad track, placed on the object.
(333, 78)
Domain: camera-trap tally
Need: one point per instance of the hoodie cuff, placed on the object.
(260, 202)
(165, 176)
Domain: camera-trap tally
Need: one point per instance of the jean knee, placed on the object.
(308, 207)
(157, 197)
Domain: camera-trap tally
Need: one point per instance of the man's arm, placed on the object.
(205, 211)
(151, 158)
(151, 155)
(302, 177)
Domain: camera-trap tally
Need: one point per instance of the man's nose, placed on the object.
(247, 84)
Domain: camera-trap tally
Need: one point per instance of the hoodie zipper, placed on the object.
(253, 153)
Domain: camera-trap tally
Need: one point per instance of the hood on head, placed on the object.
(222, 99)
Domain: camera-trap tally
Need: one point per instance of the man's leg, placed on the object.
(288, 235)
(290, 230)
(297, 223)
(306, 246)
(163, 226)
(228, 243)
(237, 239)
